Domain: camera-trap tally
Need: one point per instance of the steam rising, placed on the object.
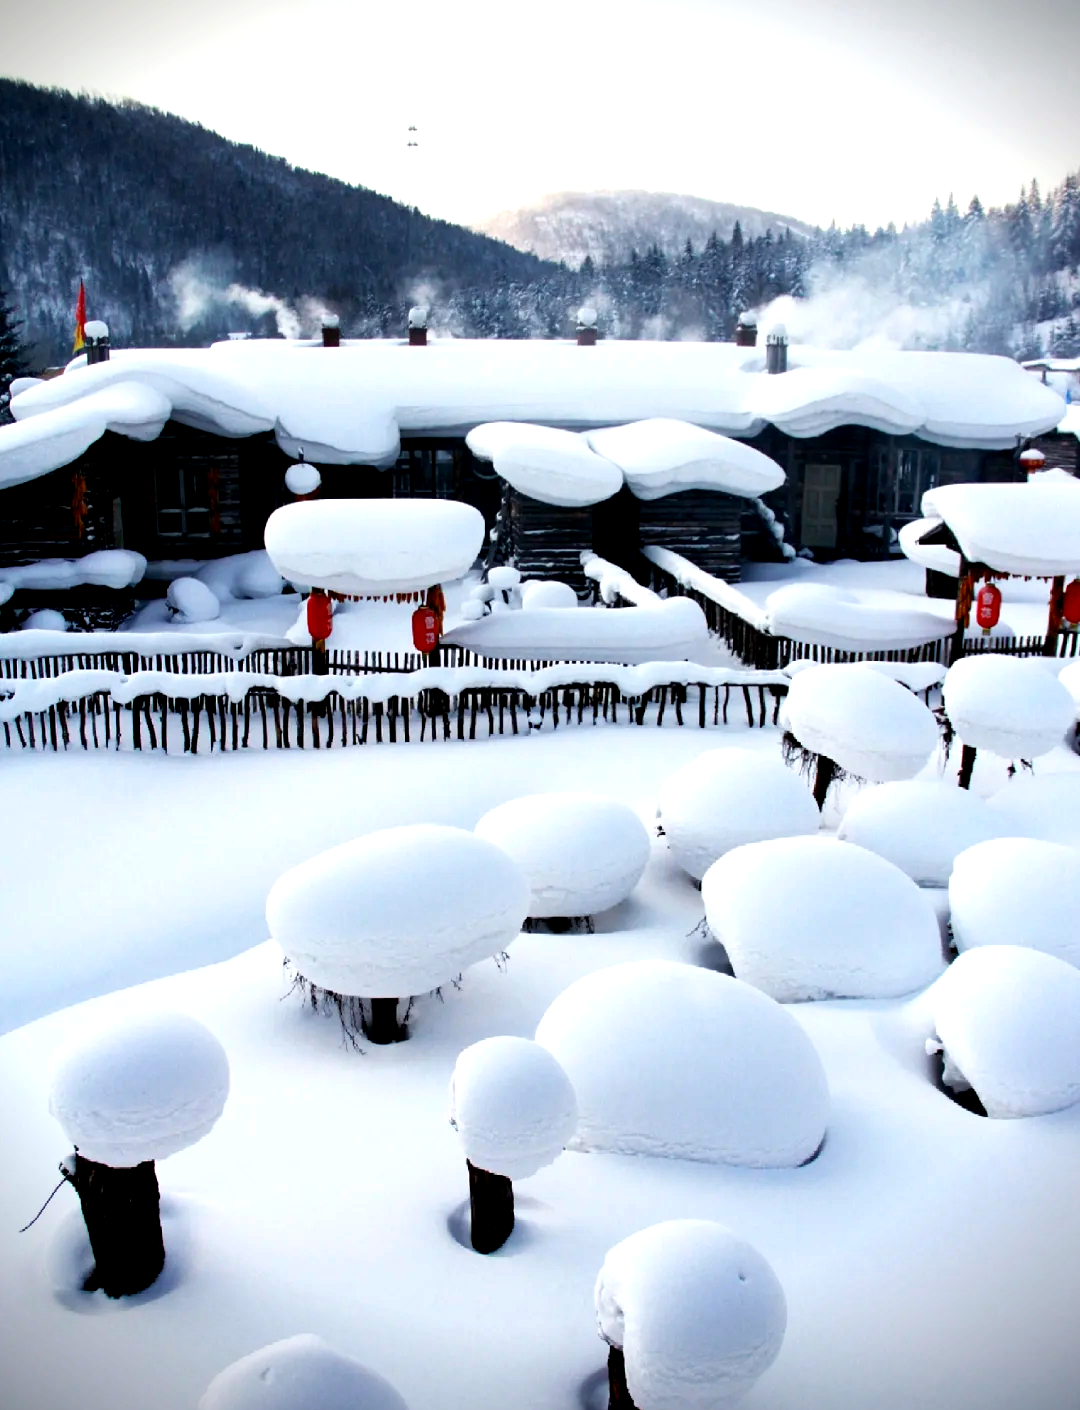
(198, 294)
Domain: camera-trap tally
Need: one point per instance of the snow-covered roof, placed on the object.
(673, 630)
(1031, 528)
(349, 405)
(662, 456)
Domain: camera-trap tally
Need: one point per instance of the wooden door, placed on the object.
(821, 490)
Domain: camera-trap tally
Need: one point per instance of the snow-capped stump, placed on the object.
(726, 797)
(1018, 891)
(1046, 806)
(1009, 705)
(394, 914)
(580, 854)
(537, 593)
(920, 825)
(811, 918)
(860, 722)
(299, 1373)
(514, 1109)
(693, 1315)
(670, 1060)
(189, 600)
(1005, 1019)
(127, 1097)
(45, 619)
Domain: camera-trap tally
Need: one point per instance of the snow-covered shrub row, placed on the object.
(919, 825)
(1018, 891)
(580, 854)
(190, 600)
(1007, 1019)
(1010, 705)
(1046, 806)
(698, 1313)
(298, 1374)
(670, 1060)
(811, 918)
(512, 1105)
(726, 797)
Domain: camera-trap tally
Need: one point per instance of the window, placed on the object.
(183, 501)
(424, 474)
(899, 476)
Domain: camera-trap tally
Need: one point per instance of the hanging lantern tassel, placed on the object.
(988, 607)
(1070, 606)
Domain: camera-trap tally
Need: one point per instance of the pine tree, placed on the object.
(12, 355)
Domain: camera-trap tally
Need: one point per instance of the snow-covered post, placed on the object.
(126, 1098)
(514, 1109)
(97, 341)
(298, 1374)
(1010, 705)
(302, 480)
(586, 327)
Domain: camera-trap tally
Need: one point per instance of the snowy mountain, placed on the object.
(607, 225)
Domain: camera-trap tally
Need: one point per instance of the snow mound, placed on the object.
(726, 797)
(1046, 806)
(141, 1090)
(830, 616)
(928, 555)
(1010, 705)
(555, 467)
(674, 630)
(302, 478)
(298, 1374)
(661, 456)
(698, 1312)
(504, 577)
(919, 825)
(241, 576)
(536, 594)
(107, 567)
(1018, 891)
(374, 547)
(1030, 529)
(579, 853)
(512, 1105)
(871, 726)
(399, 911)
(1070, 679)
(45, 619)
(192, 601)
(810, 918)
(670, 1060)
(1007, 1018)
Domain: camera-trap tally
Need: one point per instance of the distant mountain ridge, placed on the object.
(606, 226)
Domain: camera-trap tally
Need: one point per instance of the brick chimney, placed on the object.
(331, 330)
(586, 326)
(418, 321)
(776, 349)
(1032, 461)
(746, 331)
(97, 341)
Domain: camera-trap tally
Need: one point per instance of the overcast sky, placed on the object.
(820, 109)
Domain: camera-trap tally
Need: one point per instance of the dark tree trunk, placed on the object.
(491, 1206)
(121, 1207)
(824, 775)
(383, 1026)
(967, 765)
(618, 1394)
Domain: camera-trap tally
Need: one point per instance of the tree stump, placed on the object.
(491, 1209)
(121, 1208)
(383, 1027)
(967, 765)
(618, 1393)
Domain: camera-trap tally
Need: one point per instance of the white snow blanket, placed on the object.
(107, 567)
(153, 1085)
(871, 726)
(1010, 705)
(919, 676)
(1046, 806)
(934, 556)
(615, 582)
(726, 797)
(241, 576)
(296, 1374)
(579, 853)
(698, 1312)
(671, 1060)
(673, 630)
(824, 615)
(512, 1105)
(811, 918)
(537, 593)
(45, 619)
(397, 912)
(555, 467)
(1007, 1018)
(374, 546)
(192, 601)
(920, 825)
(1018, 891)
(662, 456)
(1031, 528)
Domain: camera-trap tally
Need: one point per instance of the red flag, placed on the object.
(80, 320)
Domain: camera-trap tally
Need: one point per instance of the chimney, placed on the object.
(586, 326)
(97, 341)
(418, 321)
(776, 349)
(746, 331)
(331, 330)
(1032, 461)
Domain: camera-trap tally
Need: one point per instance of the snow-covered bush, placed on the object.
(45, 619)
(579, 853)
(537, 593)
(920, 825)
(810, 918)
(1018, 891)
(299, 1373)
(514, 1109)
(472, 609)
(1006, 1019)
(726, 797)
(396, 913)
(504, 577)
(1010, 705)
(127, 1097)
(1046, 806)
(241, 576)
(693, 1313)
(670, 1060)
(189, 600)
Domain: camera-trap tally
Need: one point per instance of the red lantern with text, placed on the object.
(988, 606)
(319, 616)
(425, 630)
(1070, 605)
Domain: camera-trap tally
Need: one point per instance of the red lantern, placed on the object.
(319, 616)
(988, 606)
(1070, 605)
(425, 630)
